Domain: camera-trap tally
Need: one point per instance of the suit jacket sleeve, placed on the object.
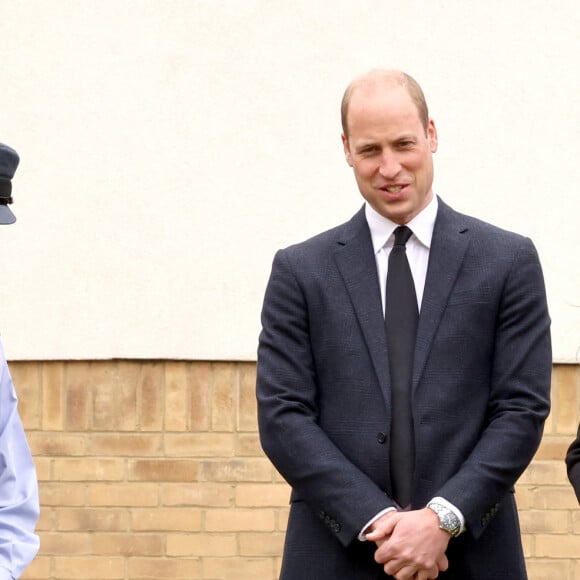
(315, 467)
(573, 464)
(519, 397)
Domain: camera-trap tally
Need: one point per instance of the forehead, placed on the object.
(378, 109)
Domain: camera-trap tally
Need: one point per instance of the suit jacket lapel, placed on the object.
(356, 262)
(448, 247)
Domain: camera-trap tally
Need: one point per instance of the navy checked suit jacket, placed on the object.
(480, 393)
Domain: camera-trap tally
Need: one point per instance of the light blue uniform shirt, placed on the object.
(19, 506)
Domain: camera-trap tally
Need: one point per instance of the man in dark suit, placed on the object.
(403, 472)
(573, 464)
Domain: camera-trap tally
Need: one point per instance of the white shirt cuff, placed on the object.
(362, 536)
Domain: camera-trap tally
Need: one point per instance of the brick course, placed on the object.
(153, 469)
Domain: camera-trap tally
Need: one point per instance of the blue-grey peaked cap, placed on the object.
(8, 163)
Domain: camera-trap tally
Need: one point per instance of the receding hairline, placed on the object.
(390, 78)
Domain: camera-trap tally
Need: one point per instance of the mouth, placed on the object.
(394, 192)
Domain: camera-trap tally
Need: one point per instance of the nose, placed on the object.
(390, 166)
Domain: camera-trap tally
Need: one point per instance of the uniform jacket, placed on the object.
(480, 393)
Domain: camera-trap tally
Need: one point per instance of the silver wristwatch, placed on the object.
(448, 521)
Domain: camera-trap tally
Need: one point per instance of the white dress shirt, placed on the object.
(19, 506)
(418, 247)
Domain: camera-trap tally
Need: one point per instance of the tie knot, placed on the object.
(402, 235)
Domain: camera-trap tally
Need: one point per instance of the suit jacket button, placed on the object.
(381, 438)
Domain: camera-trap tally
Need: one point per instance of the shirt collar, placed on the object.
(422, 224)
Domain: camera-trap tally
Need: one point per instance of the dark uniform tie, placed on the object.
(401, 320)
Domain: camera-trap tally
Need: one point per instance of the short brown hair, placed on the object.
(392, 77)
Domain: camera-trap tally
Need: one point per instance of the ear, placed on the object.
(432, 136)
(346, 147)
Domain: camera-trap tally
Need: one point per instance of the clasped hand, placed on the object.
(410, 545)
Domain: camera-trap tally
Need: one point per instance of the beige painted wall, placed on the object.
(168, 148)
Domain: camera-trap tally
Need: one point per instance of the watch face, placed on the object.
(448, 520)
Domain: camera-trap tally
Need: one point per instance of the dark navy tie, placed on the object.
(401, 320)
